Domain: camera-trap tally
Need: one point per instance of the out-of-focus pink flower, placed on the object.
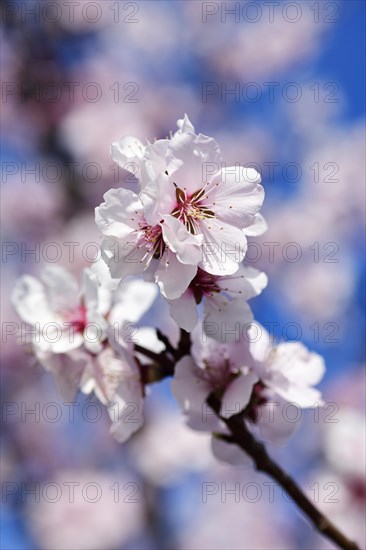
(85, 510)
(25, 217)
(166, 465)
(288, 369)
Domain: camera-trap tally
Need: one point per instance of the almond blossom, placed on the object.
(224, 298)
(65, 316)
(90, 345)
(216, 202)
(190, 212)
(289, 370)
(253, 378)
(56, 310)
(212, 367)
(131, 245)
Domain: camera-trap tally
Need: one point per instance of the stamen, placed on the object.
(189, 210)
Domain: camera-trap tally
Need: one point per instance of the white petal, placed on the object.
(97, 298)
(276, 425)
(126, 411)
(186, 246)
(257, 228)
(247, 282)
(158, 198)
(100, 270)
(155, 162)
(257, 281)
(298, 364)
(224, 247)
(301, 396)
(132, 300)
(126, 150)
(66, 368)
(119, 214)
(61, 340)
(107, 370)
(230, 319)
(185, 125)
(260, 342)
(123, 257)
(237, 395)
(184, 311)
(229, 452)
(30, 301)
(206, 349)
(62, 288)
(173, 277)
(196, 153)
(191, 392)
(237, 195)
(130, 153)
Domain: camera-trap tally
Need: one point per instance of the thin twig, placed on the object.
(168, 346)
(163, 366)
(257, 451)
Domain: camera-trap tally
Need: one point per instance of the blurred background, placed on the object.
(281, 87)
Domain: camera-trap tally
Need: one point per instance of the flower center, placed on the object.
(218, 374)
(203, 284)
(190, 209)
(76, 318)
(153, 239)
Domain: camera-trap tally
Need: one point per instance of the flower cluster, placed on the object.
(254, 379)
(184, 230)
(83, 336)
(187, 226)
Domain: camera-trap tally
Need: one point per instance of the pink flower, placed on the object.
(65, 316)
(132, 245)
(97, 354)
(219, 204)
(213, 367)
(249, 379)
(225, 298)
(190, 211)
(289, 370)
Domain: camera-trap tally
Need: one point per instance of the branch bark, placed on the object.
(163, 366)
(257, 451)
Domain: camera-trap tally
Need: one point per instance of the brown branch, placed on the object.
(163, 366)
(257, 451)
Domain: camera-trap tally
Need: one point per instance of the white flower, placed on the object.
(219, 368)
(132, 245)
(217, 203)
(213, 367)
(114, 377)
(224, 299)
(250, 377)
(65, 317)
(59, 311)
(289, 369)
(102, 362)
(190, 210)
